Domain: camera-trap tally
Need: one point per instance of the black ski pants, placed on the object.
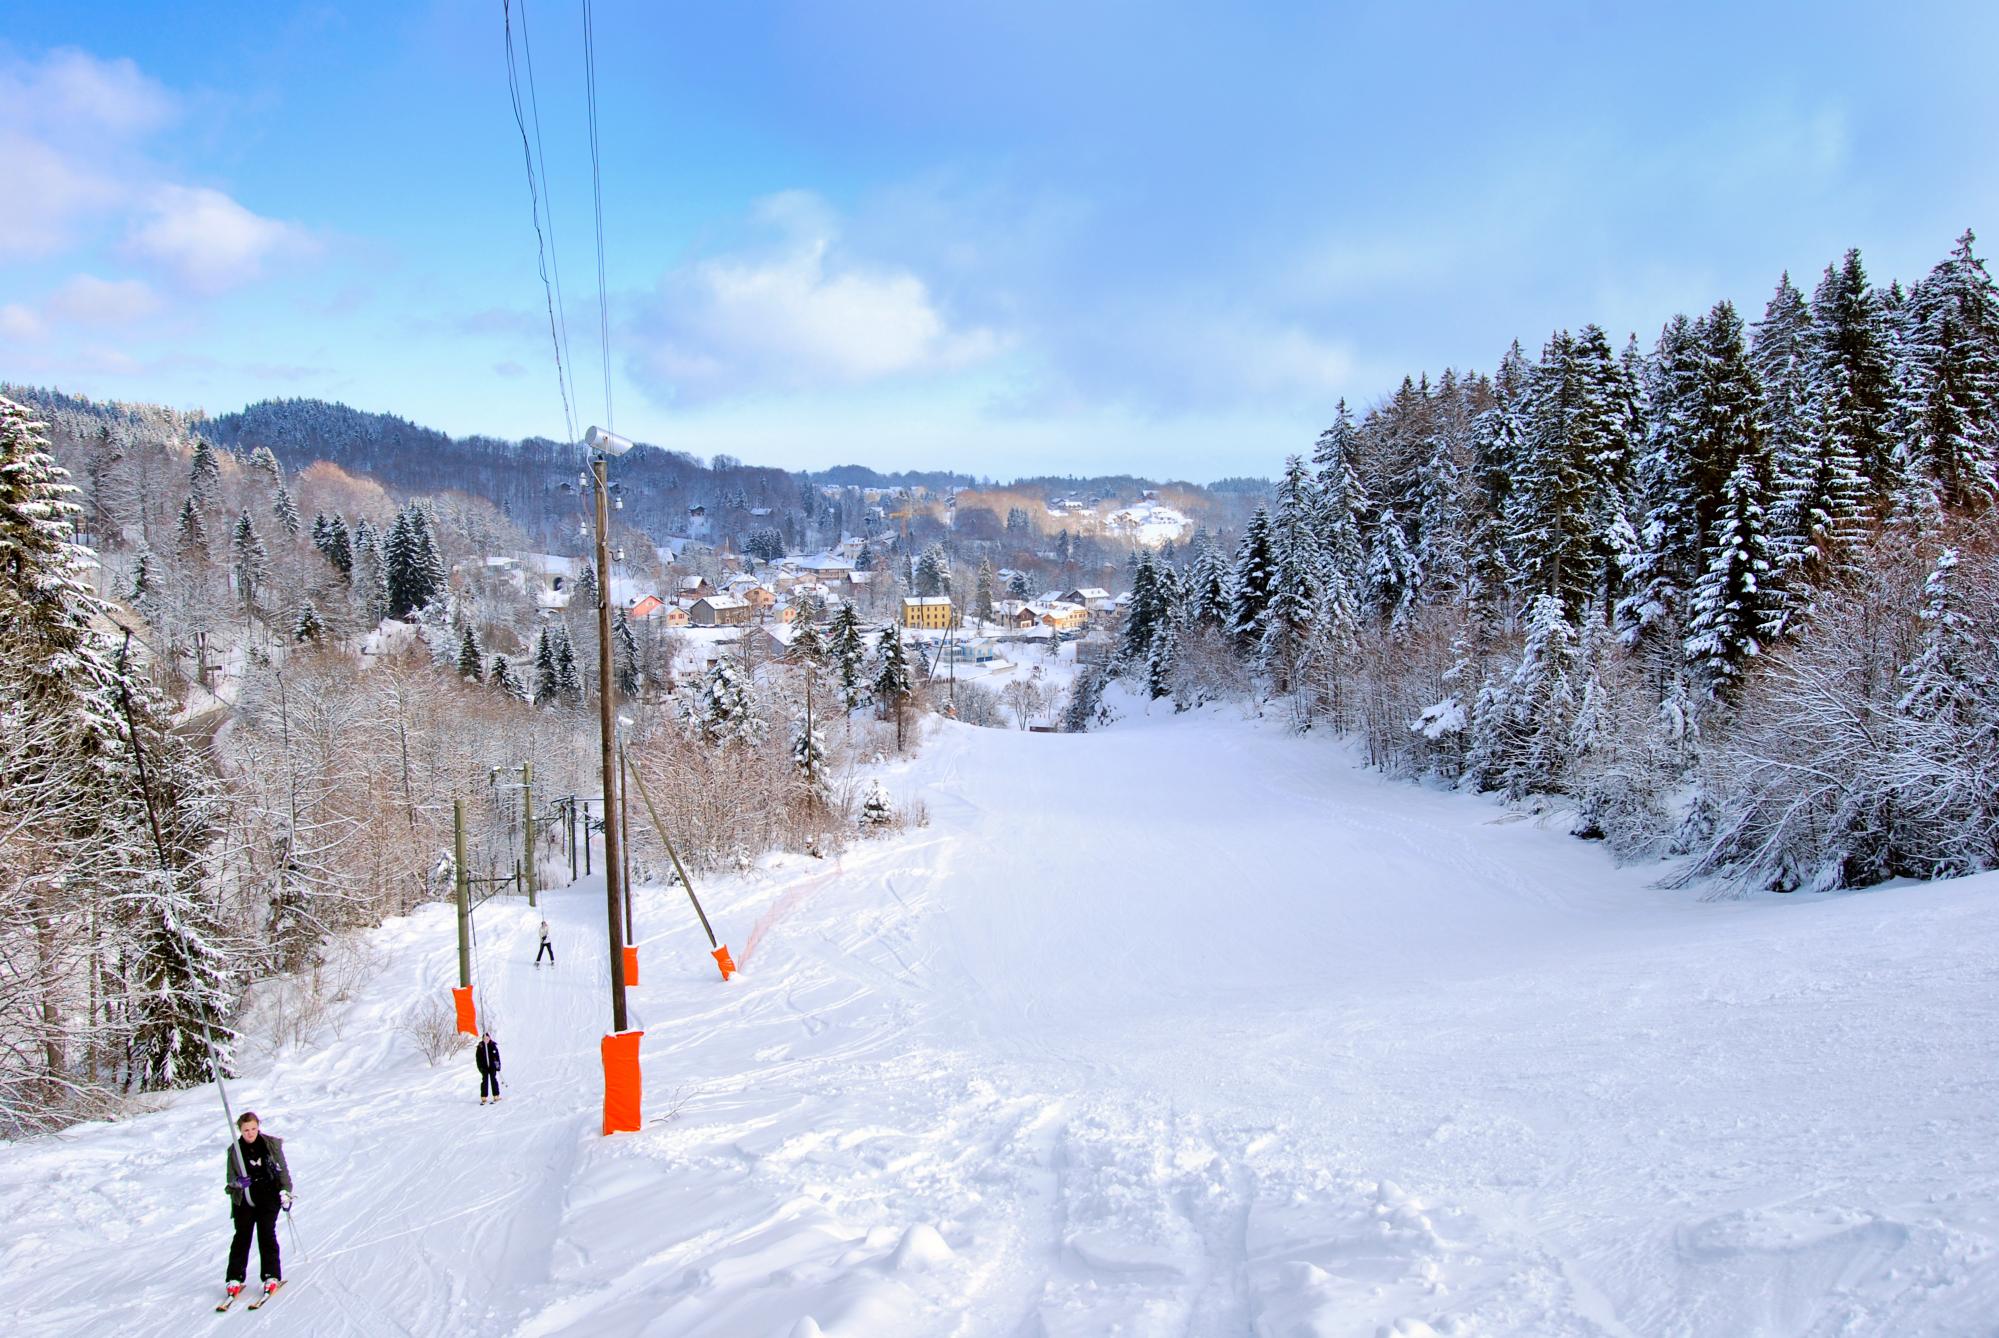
(489, 1085)
(262, 1216)
(548, 948)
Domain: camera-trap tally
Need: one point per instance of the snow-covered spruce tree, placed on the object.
(849, 653)
(876, 811)
(371, 576)
(331, 538)
(1208, 594)
(1670, 533)
(1734, 611)
(1565, 505)
(1251, 586)
(1144, 616)
(1017, 586)
(1295, 561)
(1394, 577)
(249, 559)
(286, 511)
(808, 755)
(1085, 699)
(933, 572)
(547, 688)
(729, 710)
(471, 660)
(624, 654)
(503, 679)
(204, 475)
(145, 580)
(1523, 723)
(584, 594)
(892, 684)
(1951, 382)
(569, 684)
(191, 533)
(1852, 375)
(1162, 659)
(309, 628)
(412, 567)
(982, 592)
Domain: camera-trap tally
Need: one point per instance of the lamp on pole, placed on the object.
(603, 446)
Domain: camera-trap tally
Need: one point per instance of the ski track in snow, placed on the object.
(1182, 1028)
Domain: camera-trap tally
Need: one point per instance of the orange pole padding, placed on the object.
(725, 961)
(468, 1017)
(631, 967)
(622, 1086)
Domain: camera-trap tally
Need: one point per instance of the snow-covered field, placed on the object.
(1184, 1027)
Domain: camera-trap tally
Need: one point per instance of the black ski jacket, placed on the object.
(265, 1162)
(487, 1056)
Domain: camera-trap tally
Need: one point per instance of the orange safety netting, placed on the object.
(622, 1087)
(631, 966)
(468, 1018)
(723, 960)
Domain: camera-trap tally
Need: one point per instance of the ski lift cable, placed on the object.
(541, 242)
(597, 195)
(548, 207)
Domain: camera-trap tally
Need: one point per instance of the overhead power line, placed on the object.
(557, 326)
(597, 193)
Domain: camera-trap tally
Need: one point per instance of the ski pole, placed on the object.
(294, 1228)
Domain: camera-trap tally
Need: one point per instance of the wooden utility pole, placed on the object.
(464, 893)
(624, 829)
(606, 686)
(527, 826)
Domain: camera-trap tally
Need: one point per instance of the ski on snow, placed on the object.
(265, 1298)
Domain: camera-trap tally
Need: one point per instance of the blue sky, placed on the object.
(1008, 238)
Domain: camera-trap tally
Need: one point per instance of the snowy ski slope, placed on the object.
(1185, 1027)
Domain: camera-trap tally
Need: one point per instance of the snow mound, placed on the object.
(921, 1248)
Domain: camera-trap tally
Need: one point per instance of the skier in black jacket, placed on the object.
(259, 1185)
(487, 1056)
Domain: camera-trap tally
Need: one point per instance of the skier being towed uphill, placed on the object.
(259, 1185)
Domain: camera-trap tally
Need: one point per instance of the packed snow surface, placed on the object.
(1182, 1027)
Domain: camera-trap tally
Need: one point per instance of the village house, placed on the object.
(1061, 615)
(719, 611)
(695, 587)
(928, 612)
(1015, 613)
(1091, 597)
(647, 607)
(757, 596)
(674, 616)
(825, 567)
(972, 650)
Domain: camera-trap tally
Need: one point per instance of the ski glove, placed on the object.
(285, 1200)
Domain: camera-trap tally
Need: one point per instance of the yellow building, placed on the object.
(1063, 617)
(932, 613)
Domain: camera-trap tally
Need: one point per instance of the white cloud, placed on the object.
(71, 94)
(76, 157)
(47, 194)
(89, 300)
(19, 324)
(211, 242)
(798, 315)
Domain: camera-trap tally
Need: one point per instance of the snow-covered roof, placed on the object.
(928, 600)
(724, 602)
